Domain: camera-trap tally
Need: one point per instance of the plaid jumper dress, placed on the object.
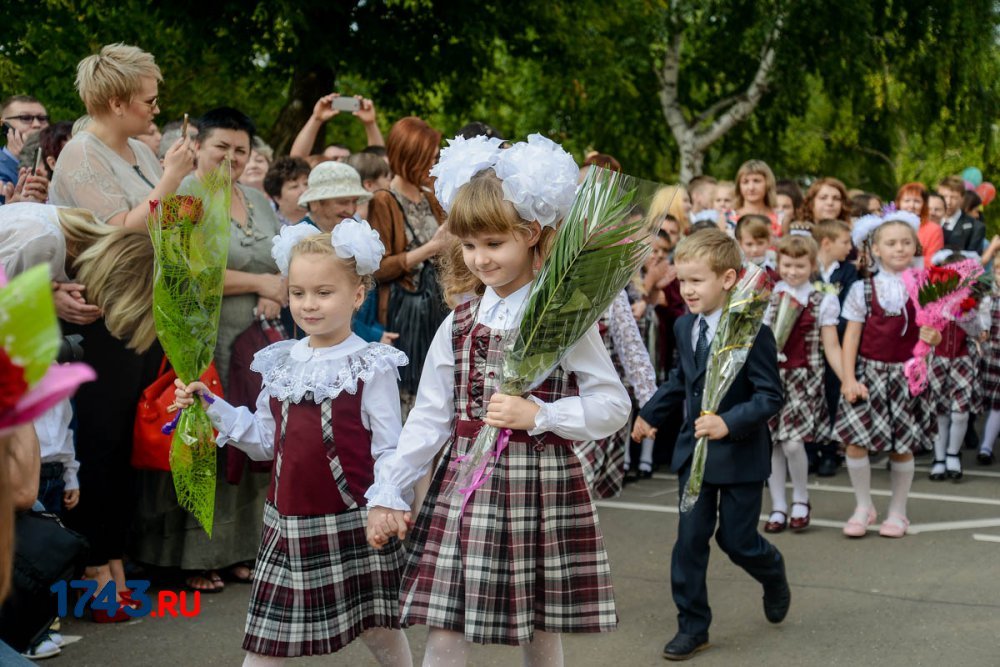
(804, 416)
(951, 373)
(527, 554)
(990, 361)
(318, 584)
(891, 419)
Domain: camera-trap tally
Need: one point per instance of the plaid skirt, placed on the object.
(891, 419)
(318, 585)
(989, 372)
(603, 462)
(526, 555)
(805, 416)
(952, 385)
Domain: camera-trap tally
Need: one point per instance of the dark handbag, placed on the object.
(45, 551)
(150, 447)
(244, 386)
(416, 315)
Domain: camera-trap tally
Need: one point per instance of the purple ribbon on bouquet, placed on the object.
(171, 425)
(481, 474)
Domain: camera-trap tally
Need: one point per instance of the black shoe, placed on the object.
(777, 598)
(985, 458)
(828, 466)
(683, 647)
(955, 475)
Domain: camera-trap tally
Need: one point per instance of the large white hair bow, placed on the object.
(356, 238)
(459, 162)
(288, 238)
(539, 179)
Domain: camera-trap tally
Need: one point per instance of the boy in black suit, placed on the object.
(834, 240)
(739, 448)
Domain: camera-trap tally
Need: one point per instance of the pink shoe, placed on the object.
(857, 525)
(895, 525)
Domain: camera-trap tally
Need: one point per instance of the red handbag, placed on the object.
(150, 447)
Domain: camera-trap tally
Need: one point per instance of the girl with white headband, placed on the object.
(328, 414)
(521, 560)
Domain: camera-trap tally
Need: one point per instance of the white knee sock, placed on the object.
(446, 649)
(956, 435)
(991, 431)
(776, 482)
(798, 470)
(860, 472)
(389, 646)
(257, 660)
(646, 455)
(900, 479)
(545, 650)
(941, 442)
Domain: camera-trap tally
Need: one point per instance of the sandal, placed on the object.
(776, 526)
(205, 582)
(954, 474)
(797, 524)
(936, 476)
(234, 573)
(857, 525)
(895, 525)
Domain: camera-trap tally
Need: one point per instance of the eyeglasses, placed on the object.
(151, 104)
(27, 118)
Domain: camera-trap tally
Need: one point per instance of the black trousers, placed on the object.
(737, 507)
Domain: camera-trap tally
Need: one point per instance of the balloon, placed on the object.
(987, 192)
(973, 175)
(969, 185)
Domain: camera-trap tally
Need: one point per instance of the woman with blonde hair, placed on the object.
(671, 200)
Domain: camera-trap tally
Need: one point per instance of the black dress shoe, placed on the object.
(828, 466)
(683, 647)
(777, 599)
(985, 458)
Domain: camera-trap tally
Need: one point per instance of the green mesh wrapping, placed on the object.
(190, 235)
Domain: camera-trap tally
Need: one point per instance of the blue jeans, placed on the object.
(51, 487)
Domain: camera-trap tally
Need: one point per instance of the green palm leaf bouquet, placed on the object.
(599, 247)
(190, 235)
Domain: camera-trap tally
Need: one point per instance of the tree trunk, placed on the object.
(306, 87)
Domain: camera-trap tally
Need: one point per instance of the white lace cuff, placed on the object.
(390, 497)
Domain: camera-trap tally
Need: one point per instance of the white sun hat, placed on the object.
(333, 180)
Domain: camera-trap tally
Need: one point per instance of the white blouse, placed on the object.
(602, 407)
(631, 349)
(291, 368)
(892, 295)
(829, 307)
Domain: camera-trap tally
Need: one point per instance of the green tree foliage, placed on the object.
(875, 92)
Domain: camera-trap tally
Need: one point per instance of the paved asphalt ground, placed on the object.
(931, 598)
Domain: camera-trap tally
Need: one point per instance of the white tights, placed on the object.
(645, 456)
(389, 647)
(789, 454)
(450, 649)
(991, 431)
(950, 437)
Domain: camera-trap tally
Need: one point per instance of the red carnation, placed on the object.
(12, 383)
(967, 304)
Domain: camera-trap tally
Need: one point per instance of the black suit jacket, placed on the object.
(744, 456)
(967, 234)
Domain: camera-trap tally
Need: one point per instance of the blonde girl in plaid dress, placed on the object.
(525, 561)
(803, 418)
(877, 412)
(328, 414)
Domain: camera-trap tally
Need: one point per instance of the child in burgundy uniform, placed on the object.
(877, 412)
(811, 342)
(519, 560)
(328, 412)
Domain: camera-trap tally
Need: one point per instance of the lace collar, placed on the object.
(291, 368)
(801, 293)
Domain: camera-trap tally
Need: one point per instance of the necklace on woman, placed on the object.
(247, 227)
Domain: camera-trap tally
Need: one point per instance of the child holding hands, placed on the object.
(328, 414)
(519, 560)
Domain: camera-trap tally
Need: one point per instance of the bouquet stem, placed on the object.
(193, 462)
(692, 490)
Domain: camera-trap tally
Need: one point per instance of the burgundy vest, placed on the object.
(888, 338)
(796, 347)
(323, 464)
(953, 342)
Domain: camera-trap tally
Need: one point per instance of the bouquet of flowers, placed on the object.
(938, 295)
(30, 383)
(596, 251)
(190, 235)
(742, 318)
(786, 314)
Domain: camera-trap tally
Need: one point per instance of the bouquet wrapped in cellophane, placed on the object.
(600, 245)
(190, 235)
(30, 381)
(742, 318)
(786, 314)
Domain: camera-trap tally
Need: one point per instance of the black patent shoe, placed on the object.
(683, 647)
(985, 458)
(936, 476)
(955, 474)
